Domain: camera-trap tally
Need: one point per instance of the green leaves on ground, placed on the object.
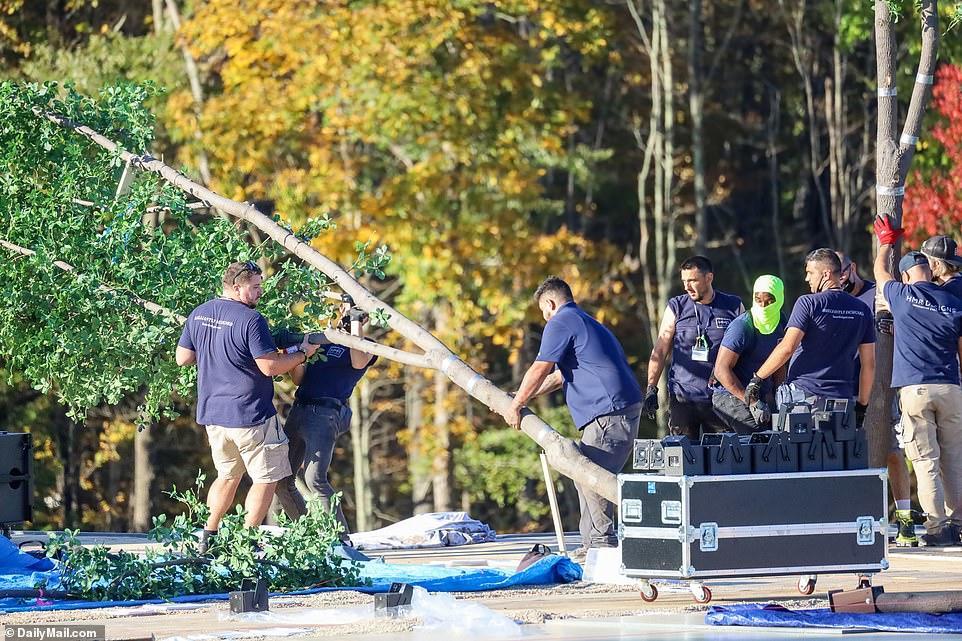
(299, 558)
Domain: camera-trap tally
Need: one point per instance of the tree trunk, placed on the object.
(69, 481)
(563, 454)
(419, 466)
(441, 463)
(893, 158)
(361, 446)
(696, 100)
(143, 480)
(771, 149)
(656, 225)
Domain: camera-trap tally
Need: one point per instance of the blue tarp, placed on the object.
(13, 561)
(776, 616)
(548, 571)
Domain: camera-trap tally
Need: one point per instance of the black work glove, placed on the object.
(753, 390)
(650, 406)
(860, 414)
(884, 323)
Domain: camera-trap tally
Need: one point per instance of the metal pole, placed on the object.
(553, 501)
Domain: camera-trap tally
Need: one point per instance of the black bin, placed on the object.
(725, 454)
(682, 457)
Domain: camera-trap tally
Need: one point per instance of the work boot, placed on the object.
(907, 520)
(945, 536)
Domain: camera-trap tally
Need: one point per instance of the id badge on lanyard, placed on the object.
(699, 351)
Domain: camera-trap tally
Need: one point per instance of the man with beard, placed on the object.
(236, 358)
(692, 328)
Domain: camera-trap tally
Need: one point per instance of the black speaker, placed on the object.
(16, 482)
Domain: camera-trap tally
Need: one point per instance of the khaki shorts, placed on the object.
(260, 450)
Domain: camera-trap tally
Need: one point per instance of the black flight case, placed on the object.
(708, 527)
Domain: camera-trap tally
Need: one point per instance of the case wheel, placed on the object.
(806, 584)
(701, 593)
(648, 592)
(864, 582)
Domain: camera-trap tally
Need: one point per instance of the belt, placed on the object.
(325, 401)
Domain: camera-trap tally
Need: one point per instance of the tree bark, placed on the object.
(361, 441)
(893, 158)
(143, 480)
(419, 466)
(696, 101)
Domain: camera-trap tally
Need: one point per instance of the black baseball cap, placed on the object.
(942, 248)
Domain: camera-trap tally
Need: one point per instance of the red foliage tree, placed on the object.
(933, 199)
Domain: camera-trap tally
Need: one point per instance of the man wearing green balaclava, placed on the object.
(748, 341)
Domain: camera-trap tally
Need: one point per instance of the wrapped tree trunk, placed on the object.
(893, 159)
(563, 454)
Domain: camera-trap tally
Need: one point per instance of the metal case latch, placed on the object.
(865, 530)
(631, 510)
(708, 537)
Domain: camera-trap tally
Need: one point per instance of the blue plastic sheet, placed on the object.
(13, 561)
(548, 571)
(776, 616)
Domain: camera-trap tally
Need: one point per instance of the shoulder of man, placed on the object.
(676, 303)
(728, 300)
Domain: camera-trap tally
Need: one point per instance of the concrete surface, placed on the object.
(575, 611)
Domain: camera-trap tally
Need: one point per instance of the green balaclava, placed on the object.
(766, 318)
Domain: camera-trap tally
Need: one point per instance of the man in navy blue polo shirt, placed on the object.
(236, 359)
(320, 414)
(925, 366)
(692, 329)
(826, 330)
(602, 394)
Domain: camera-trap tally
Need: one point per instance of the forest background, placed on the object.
(488, 145)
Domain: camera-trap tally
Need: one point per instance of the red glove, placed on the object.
(883, 229)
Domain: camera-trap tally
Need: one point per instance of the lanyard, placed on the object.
(702, 332)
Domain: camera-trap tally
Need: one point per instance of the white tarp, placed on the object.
(436, 529)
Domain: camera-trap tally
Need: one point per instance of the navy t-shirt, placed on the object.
(835, 324)
(334, 377)
(867, 296)
(954, 286)
(688, 379)
(928, 321)
(227, 336)
(597, 378)
(752, 347)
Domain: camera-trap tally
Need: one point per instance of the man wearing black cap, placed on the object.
(945, 263)
(925, 365)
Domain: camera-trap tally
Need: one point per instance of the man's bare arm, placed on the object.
(724, 374)
(185, 356)
(659, 355)
(866, 377)
(552, 382)
(881, 267)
